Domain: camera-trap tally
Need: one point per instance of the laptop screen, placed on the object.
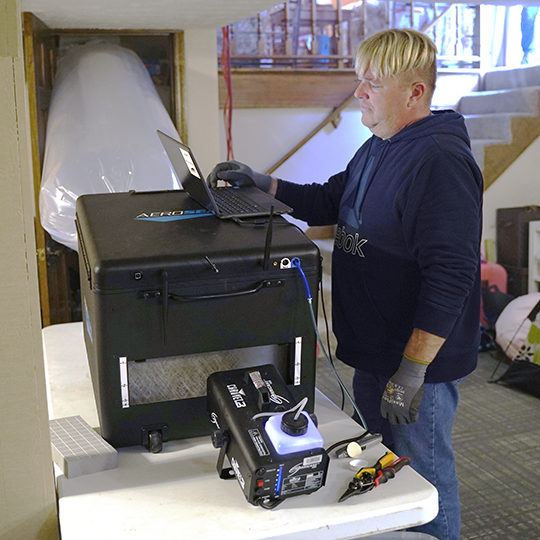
(187, 170)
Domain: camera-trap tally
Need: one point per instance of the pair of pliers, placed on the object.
(368, 478)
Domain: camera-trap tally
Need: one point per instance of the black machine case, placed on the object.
(171, 294)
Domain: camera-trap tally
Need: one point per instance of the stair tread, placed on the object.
(508, 93)
(516, 90)
(499, 114)
(488, 142)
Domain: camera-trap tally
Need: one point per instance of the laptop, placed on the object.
(225, 202)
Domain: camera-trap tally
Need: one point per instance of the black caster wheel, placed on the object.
(155, 441)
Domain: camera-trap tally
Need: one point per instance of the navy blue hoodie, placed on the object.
(406, 253)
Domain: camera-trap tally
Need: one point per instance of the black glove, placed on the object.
(239, 174)
(403, 393)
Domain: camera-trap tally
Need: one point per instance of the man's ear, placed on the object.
(418, 90)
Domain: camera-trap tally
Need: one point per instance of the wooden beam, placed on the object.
(497, 158)
(179, 74)
(276, 88)
(31, 25)
(339, 31)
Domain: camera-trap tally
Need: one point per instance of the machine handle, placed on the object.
(261, 285)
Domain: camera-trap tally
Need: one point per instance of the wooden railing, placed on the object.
(302, 34)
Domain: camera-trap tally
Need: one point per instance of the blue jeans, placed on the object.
(428, 442)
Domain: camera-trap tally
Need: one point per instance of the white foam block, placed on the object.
(77, 449)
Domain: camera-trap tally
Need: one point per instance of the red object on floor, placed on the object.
(492, 274)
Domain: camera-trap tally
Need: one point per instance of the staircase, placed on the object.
(503, 118)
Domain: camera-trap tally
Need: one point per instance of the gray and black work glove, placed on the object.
(239, 174)
(403, 393)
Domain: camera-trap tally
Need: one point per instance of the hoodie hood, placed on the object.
(441, 129)
(439, 123)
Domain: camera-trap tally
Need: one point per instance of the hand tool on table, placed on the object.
(368, 478)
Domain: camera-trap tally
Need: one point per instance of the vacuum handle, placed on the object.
(261, 285)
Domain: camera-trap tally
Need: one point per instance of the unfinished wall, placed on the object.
(27, 497)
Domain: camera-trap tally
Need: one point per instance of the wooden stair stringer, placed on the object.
(497, 158)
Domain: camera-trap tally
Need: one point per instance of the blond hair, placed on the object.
(395, 52)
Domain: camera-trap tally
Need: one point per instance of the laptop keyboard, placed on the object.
(230, 203)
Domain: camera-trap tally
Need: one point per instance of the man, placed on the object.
(406, 272)
(528, 22)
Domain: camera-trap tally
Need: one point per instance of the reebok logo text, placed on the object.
(349, 243)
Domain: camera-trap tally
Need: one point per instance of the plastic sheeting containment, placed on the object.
(101, 134)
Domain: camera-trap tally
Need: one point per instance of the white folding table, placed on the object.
(178, 494)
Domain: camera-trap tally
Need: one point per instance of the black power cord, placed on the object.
(329, 348)
(295, 262)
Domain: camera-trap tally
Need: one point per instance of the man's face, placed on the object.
(384, 104)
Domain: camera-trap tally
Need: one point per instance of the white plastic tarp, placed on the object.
(101, 134)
